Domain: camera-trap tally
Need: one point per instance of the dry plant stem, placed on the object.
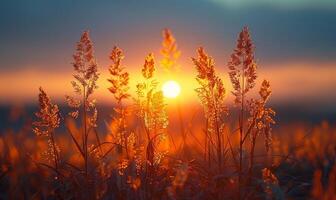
(252, 150)
(126, 147)
(86, 76)
(232, 152)
(218, 134)
(122, 110)
(211, 148)
(147, 108)
(205, 142)
(253, 143)
(148, 141)
(211, 93)
(119, 88)
(85, 135)
(56, 159)
(219, 148)
(76, 142)
(48, 120)
(243, 75)
(149, 159)
(241, 135)
(226, 148)
(208, 142)
(98, 140)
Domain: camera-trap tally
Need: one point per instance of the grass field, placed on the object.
(149, 144)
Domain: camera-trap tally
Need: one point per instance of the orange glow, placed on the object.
(290, 82)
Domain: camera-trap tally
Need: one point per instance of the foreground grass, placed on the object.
(139, 158)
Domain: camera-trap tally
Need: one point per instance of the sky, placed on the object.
(295, 41)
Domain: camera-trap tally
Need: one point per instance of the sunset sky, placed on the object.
(295, 42)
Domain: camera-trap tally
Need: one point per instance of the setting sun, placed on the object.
(193, 101)
(171, 89)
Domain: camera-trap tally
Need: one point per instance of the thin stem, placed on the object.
(98, 139)
(122, 115)
(253, 143)
(85, 135)
(54, 149)
(219, 148)
(241, 133)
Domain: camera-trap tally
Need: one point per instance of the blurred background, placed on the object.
(295, 48)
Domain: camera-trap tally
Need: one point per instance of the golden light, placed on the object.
(171, 89)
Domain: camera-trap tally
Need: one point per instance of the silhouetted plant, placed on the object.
(119, 88)
(151, 110)
(48, 121)
(211, 93)
(169, 52)
(84, 85)
(130, 164)
(243, 76)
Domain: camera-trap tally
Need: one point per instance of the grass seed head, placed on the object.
(48, 116)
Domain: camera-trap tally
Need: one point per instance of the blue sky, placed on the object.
(35, 33)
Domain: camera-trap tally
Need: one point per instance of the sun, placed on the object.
(171, 89)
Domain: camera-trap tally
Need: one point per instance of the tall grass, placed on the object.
(134, 159)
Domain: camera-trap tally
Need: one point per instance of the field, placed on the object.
(148, 144)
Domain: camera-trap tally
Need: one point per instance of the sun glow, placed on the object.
(171, 89)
